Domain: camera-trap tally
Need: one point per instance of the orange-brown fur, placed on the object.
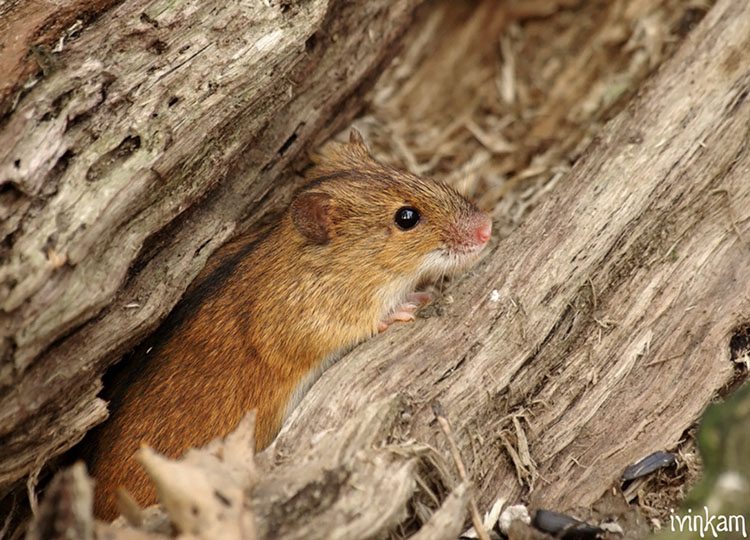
(263, 315)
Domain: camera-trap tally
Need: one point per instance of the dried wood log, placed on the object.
(155, 131)
(598, 332)
(29, 33)
(346, 488)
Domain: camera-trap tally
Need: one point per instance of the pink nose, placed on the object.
(483, 229)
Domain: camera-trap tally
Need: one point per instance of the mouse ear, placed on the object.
(357, 141)
(355, 137)
(311, 215)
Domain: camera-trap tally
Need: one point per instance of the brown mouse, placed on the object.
(269, 313)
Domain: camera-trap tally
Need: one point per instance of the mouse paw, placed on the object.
(405, 312)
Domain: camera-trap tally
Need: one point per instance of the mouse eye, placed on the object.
(406, 217)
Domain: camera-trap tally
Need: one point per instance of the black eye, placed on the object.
(406, 217)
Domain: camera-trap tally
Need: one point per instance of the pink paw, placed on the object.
(405, 312)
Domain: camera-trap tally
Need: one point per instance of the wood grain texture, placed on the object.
(29, 33)
(600, 330)
(162, 127)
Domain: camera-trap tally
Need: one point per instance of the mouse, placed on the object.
(270, 311)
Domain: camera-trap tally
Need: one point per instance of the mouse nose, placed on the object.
(483, 229)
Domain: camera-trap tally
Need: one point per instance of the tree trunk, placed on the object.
(593, 336)
(598, 332)
(137, 151)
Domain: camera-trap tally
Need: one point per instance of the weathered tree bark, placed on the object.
(599, 332)
(593, 336)
(144, 144)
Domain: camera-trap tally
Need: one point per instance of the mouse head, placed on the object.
(386, 220)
